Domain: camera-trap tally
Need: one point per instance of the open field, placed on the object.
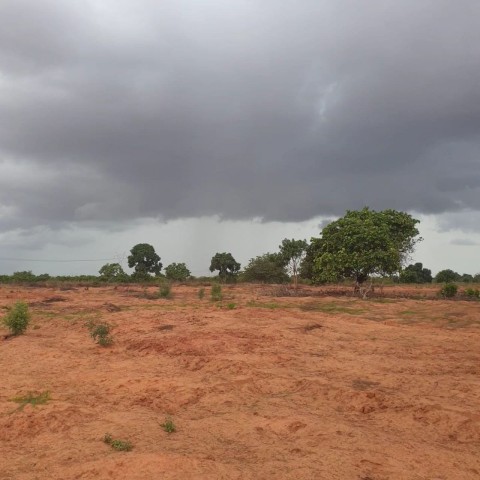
(258, 386)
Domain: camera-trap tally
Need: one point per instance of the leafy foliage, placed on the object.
(168, 425)
(18, 318)
(112, 272)
(101, 334)
(119, 445)
(267, 268)
(177, 271)
(449, 290)
(365, 243)
(292, 251)
(307, 266)
(447, 276)
(226, 265)
(415, 274)
(144, 260)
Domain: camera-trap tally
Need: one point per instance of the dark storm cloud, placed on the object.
(278, 110)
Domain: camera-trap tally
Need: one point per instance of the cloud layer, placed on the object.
(283, 111)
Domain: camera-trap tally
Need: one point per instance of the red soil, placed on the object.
(276, 388)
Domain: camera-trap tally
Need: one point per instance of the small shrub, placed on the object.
(165, 291)
(216, 292)
(449, 290)
(32, 399)
(472, 293)
(201, 293)
(18, 318)
(101, 334)
(168, 425)
(119, 445)
(231, 306)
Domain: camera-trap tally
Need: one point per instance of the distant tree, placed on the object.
(177, 271)
(307, 266)
(144, 260)
(447, 276)
(226, 265)
(112, 272)
(415, 274)
(476, 278)
(24, 276)
(292, 251)
(267, 268)
(364, 243)
(466, 278)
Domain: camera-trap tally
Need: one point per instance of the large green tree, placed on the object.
(144, 260)
(267, 268)
(365, 243)
(292, 251)
(307, 265)
(112, 272)
(177, 271)
(446, 276)
(226, 266)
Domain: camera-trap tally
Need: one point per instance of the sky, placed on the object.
(228, 125)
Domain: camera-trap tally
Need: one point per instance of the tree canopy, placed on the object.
(447, 276)
(177, 271)
(364, 243)
(112, 272)
(267, 268)
(144, 260)
(416, 274)
(226, 265)
(292, 251)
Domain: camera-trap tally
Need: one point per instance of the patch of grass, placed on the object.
(100, 332)
(32, 399)
(201, 293)
(331, 308)
(231, 306)
(269, 305)
(216, 292)
(165, 291)
(168, 426)
(17, 318)
(119, 445)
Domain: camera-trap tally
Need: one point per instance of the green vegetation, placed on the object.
(447, 276)
(226, 265)
(267, 268)
(231, 306)
(32, 399)
(415, 274)
(119, 445)
(113, 272)
(201, 293)
(17, 318)
(363, 244)
(144, 260)
(472, 293)
(165, 291)
(449, 290)
(216, 292)
(100, 332)
(168, 425)
(177, 271)
(292, 251)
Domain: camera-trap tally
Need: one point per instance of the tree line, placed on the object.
(361, 245)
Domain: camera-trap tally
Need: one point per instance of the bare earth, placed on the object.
(311, 387)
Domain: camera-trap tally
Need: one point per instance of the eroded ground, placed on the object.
(258, 386)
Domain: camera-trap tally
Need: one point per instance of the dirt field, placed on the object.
(258, 386)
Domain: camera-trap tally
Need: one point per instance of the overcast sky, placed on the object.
(227, 125)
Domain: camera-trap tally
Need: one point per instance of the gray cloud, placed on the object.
(278, 110)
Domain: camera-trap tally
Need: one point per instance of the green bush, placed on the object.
(216, 292)
(119, 445)
(168, 425)
(165, 291)
(449, 290)
(18, 318)
(472, 293)
(101, 334)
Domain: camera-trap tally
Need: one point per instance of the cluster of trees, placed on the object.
(359, 246)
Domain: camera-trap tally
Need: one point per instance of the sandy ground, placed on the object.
(312, 387)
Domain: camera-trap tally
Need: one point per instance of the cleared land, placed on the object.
(258, 386)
